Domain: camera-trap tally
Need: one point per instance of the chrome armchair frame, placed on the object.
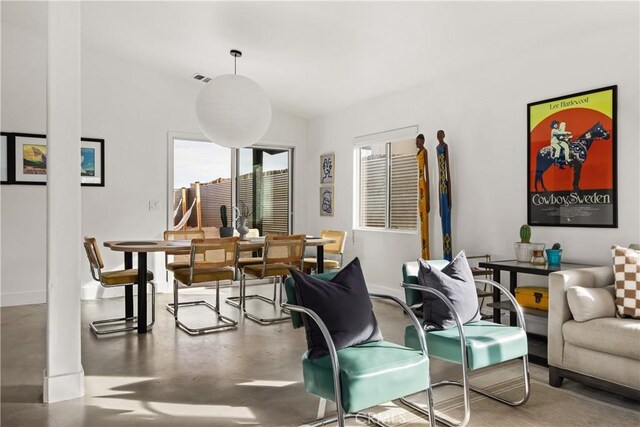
(341, 416)
(466, 386)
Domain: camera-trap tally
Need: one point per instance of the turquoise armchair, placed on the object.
(473, 345)
(365, 375)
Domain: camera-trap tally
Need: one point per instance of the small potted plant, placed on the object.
(225, 230)
(524, 248)
(554, 254)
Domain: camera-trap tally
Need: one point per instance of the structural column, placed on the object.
(63, 376)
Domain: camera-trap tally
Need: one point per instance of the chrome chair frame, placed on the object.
(277, 282)
(463, 352)
(96, 274)
(226, 323)
(335, 366)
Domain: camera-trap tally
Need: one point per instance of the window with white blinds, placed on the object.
(387, 185)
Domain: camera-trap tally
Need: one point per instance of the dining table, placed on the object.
(175, 247)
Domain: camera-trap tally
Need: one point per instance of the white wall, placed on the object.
(482, 109)
(132, 108)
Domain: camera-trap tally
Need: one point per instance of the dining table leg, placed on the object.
(320, 259)
(496, 296)
(128, 290)
(142, 292)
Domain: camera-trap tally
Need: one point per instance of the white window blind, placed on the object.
(387, 185)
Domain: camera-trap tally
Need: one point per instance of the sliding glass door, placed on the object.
(254, 180)
(264, 188)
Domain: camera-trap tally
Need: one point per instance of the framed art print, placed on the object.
(326, 201)
(6, 158)
(327, 166)
(571, 159)
(30, 158)
(92, 162)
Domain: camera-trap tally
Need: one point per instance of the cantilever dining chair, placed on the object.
(176, 260)
(280, 254)
(211, 260)
(336, 248)
(245, 258)
(110, 279)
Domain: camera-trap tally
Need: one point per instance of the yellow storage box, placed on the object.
(533, 297)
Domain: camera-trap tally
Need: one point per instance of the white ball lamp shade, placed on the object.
(233, 111)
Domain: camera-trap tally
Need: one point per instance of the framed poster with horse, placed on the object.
(571, 160)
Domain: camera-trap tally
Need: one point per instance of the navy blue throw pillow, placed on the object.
(456, 282)
(344, 306)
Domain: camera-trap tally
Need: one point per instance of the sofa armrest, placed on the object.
(559, 313)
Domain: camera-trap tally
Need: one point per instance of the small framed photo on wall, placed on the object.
(92, 162)
(326, 201)
(327, 168)
(30, 158)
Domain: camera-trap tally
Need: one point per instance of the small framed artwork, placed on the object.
(30, 158)
(6, 158)
(571, 158)
(327, 168)
(92, 162)
(326, 201)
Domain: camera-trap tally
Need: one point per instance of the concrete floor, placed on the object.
(251, 375)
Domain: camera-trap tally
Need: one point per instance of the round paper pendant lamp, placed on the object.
(233, 111)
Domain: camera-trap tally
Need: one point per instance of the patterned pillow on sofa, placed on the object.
(626, 266)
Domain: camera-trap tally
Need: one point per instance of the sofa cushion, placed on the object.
(610, 335)
(456, 282)
(626, 265)
(591, 303)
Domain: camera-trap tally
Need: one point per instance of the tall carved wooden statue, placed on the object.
(442, 152)
(423, 195)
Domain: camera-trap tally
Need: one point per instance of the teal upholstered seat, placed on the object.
(487, 343)
(369, 374)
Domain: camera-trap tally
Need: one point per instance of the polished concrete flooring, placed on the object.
(251, 375)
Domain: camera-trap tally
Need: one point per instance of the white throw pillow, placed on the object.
(591, 303)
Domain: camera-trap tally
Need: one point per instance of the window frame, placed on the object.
(387, 142)
(234, 159)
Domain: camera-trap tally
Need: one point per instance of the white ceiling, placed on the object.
(317, 57)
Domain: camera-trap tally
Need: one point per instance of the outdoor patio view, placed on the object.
(261, 187)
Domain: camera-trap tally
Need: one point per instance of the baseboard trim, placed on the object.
(63, 387)
(8, 299)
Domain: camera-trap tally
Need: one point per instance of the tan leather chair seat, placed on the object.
(242, 262)
(204, 274)
(173, 266)
(328, 263)
(122, 277)
(270, 270)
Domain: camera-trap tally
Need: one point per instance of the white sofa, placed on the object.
(602, 352)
